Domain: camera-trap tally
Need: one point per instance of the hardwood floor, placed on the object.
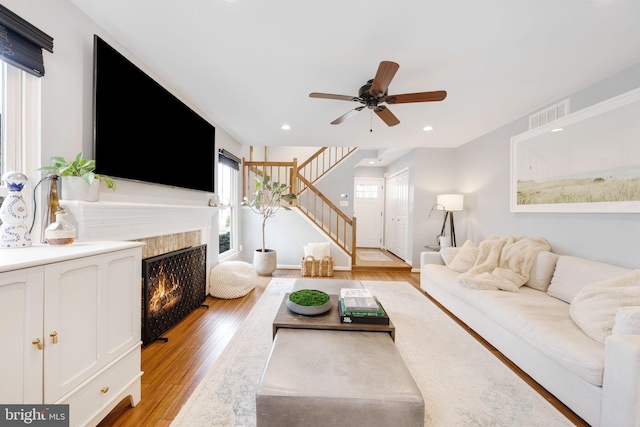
(173, 369)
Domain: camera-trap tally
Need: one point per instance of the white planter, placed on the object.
(265, 263)
(76, 188)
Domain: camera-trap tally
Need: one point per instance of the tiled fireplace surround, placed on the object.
(164, 228)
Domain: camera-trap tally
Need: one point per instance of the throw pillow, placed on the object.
(574, 273)
(594, 308)
(448, 254)
(317, 250)
(465, 258)
(542, 271)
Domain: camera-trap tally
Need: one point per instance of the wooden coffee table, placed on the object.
(329, 320)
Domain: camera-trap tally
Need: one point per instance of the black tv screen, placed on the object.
(142, 132)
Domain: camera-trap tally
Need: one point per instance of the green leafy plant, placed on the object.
(77, 167)
(267, 198)
(309, 297)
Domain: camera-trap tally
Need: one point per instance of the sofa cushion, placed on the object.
(574, 273)
(594, 308)
(535, 317)
(542, 271)
(465, 258)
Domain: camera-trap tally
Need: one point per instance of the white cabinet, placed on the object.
(70, 326)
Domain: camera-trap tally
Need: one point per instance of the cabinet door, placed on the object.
(92, 307)
(21, 300)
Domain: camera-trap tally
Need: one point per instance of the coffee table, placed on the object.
(328, 321)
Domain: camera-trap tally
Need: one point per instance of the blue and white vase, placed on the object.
(13, 213)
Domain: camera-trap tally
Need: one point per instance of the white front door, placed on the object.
(367, 206)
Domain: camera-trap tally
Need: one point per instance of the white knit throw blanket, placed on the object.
(503, 263)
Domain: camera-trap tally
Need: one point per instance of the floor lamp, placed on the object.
(449, 203)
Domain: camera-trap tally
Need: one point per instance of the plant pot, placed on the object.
(265, 263)
(76, 188)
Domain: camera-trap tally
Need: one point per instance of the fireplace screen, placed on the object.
(174, 284)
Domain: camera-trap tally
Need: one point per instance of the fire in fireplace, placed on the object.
(174, 284)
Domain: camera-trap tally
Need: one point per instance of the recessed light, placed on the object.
(285, 127)
(427, 128)
(557, 130)
(371, 162)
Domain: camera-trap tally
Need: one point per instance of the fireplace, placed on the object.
(174, 284)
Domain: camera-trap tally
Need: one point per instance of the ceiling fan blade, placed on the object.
(347, 115)
(331, 96)
(438, 95)
(386, 115)
(384, 75)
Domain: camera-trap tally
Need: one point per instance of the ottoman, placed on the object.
(232, 279)
(318, 378)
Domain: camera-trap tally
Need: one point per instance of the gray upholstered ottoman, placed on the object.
(317, 378)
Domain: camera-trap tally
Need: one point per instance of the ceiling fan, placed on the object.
(374, 93)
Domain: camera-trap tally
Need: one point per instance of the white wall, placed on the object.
(482, 170)
(66, 102)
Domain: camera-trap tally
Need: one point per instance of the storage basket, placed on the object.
(312, 267)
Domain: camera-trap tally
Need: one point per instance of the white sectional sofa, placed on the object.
(557, 331)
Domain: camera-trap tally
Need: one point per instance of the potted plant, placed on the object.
(267, 198)
(79, 181)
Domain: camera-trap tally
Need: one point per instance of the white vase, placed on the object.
(265, 263)
(76, 188)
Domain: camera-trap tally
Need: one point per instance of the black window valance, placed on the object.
(226, 158)
(21, 43)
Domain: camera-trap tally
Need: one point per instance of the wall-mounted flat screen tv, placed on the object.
(142, 132)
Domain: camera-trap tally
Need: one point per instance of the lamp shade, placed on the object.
(450, 202)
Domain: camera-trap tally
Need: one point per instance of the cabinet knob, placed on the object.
(104, 390)
(54, 337)
(37, 343)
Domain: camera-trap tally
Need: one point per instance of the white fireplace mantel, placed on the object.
(129, 221)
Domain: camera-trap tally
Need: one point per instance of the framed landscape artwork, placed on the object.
(588, 161)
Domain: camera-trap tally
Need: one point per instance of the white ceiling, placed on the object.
(250, 65)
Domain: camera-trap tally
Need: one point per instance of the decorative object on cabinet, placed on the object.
(267, 199)
(13, 212)
(448, 203)
(79, 181)
(60, 232)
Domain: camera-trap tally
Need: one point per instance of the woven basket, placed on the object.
(326, 267)
(312, 267)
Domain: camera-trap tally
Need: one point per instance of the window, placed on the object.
(21, 46)
(228, 170)
(366, 191)
(20, 122)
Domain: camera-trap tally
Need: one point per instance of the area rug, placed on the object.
(462, 383)
(372, 255)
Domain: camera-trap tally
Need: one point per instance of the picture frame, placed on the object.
(588, 161)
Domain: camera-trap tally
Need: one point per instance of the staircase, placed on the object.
(311, 202)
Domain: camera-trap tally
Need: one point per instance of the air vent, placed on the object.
(549, 114)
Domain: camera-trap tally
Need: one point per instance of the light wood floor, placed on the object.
(173, 369)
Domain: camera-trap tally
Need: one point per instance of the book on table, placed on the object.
(378, 317)
(360, 306)
(358, 300)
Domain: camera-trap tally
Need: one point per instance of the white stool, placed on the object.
(232, 279)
